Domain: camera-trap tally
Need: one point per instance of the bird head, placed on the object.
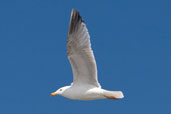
(60, 91)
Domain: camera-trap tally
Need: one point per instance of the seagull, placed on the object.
(85, 84)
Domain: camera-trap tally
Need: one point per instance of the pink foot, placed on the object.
(111, 97)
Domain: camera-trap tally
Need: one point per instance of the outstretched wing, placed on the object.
(79, 52)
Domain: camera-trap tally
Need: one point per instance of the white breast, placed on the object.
(83, 92)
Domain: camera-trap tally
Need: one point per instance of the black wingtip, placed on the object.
(76, 14)
(75, 20)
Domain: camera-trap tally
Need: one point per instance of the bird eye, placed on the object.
(60, 89)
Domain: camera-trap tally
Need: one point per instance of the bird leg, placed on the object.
(111, 97)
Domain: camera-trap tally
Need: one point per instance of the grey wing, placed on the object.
(79, 52)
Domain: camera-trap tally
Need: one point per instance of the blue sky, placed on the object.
(131, 41)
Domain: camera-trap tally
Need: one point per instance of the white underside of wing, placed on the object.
(79, 52)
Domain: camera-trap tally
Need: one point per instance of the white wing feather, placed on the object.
(79, 52)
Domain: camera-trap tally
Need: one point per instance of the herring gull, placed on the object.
(85, 84)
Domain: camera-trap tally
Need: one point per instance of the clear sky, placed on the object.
(131, 40)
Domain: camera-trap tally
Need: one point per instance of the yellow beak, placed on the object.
(53, 94)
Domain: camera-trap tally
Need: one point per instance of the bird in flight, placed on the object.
(85, 84)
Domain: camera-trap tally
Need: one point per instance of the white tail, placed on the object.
(113, 94)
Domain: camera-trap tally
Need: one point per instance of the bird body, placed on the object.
(86, 92)
(85, 84)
